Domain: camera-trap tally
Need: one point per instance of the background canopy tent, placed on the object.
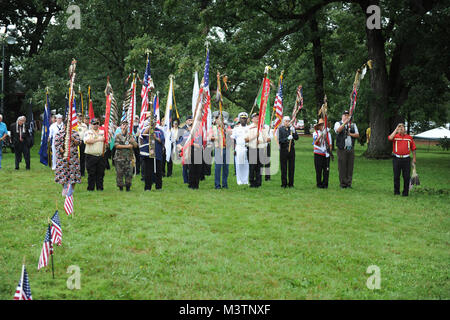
(433, 134)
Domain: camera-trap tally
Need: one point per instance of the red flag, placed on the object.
(107, 113)
(91, 108)
(264, 98)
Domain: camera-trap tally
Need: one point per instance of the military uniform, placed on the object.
(124, 160)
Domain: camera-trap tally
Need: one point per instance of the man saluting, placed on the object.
(402, 145)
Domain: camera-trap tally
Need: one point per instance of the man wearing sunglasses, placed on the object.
(95, 163)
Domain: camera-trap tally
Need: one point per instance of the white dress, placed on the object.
(53, 130)
(241, 162)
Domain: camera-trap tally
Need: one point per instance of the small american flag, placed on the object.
(278, 105)
(47, 250)
(56, 230)
(68, 204)
(23, 292)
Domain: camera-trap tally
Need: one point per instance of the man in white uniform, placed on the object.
(53, 130)
(241, 161)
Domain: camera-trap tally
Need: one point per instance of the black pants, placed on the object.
(403, 166)
(19, 149)
(267, 166)
(287, 165)
(106, 157)
(169, 167)
(82, 159)
(150, 176)
(254, 175)
(137, 156)
(322, 165)
(95, 166)
(195, 168)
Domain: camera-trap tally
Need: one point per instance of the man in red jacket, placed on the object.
(402, 145)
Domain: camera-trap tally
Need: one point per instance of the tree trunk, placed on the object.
(318, 63)
(379, 112)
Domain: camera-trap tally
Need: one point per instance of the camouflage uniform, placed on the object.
(124, 159)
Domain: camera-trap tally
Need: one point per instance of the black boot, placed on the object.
(121, 188)
(128, 186)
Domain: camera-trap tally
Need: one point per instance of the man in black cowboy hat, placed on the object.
(345, 141)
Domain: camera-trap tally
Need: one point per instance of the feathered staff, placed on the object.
(131, 103)
(360, 73)
(323, 111)
(111, 114)
(67, 140)
(220, 102)
(297, 107)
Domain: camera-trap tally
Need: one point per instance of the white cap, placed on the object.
(58, 116)
(286, 118)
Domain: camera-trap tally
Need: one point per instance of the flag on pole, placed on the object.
(91, 108)
(167, 120)
(147, 85)
(278, 105)
(47, 250)
(206, 125)
(23, 291)
(56, 230)
(156, 110)
(43, 154)
(132, 107)
(195, 92)
(263, 99)
(74, 124)
(68, 204)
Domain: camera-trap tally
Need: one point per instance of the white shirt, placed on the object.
(53, 130)
(239, 133)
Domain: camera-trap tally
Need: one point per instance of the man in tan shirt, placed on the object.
(218, 135)
(256, 152)
(82, 128)
(95, 164)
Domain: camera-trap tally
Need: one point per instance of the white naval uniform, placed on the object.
(53, 130)
(242, 169)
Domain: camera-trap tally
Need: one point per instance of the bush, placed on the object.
(444, 143)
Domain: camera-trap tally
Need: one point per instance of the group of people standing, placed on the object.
(144, 151)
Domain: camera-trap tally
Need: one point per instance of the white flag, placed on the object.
(195, 93)
(167, 117)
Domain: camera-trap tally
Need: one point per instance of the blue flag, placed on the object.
(45, 133)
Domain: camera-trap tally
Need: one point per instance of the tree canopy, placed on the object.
(318, 43)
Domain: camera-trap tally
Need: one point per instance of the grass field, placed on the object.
(240, 243)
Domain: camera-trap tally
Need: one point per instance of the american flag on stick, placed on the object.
(55, 228)
(47, 250)
(23, 291)
(68, 204)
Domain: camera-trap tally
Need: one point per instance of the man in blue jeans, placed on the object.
(3, 136)
(221, 155)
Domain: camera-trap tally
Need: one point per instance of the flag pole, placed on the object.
(21, 278)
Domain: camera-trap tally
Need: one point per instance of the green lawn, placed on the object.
(240, 243)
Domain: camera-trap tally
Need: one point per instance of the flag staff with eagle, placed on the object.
(67, 140)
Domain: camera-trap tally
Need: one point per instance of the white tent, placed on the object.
(433, 134)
